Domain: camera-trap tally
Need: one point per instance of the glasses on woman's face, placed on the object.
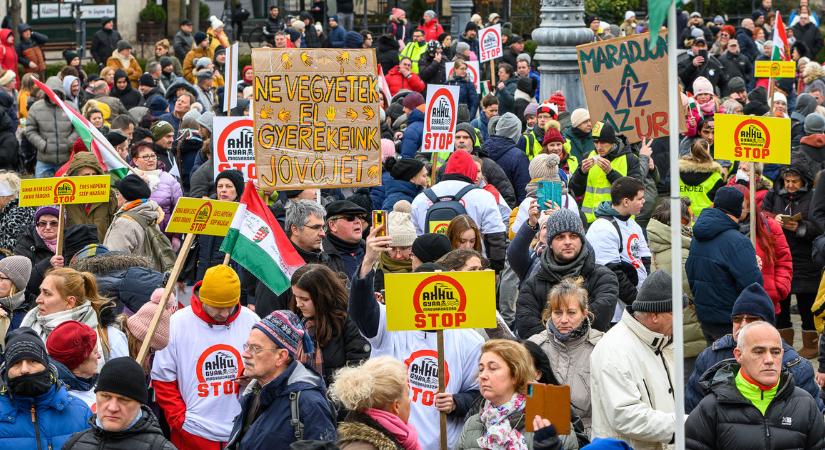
(149, 157)
(47, 224)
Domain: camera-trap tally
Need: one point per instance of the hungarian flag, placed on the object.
(258, 243)
(385, 88)
(106, 155)
(781, 49)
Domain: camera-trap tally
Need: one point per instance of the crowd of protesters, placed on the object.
(583, 284)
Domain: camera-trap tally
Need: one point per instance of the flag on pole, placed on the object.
(230, 90)
(781, 49)
(657, 16)
(385, 88)
(258, 243)
(103, 150)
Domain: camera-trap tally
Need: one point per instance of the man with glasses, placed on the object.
(304, 226)
(163, 136)
(197, 379)
(343, 243)
(415, 49)
(735, 63)
(280, 385)
(753, 305)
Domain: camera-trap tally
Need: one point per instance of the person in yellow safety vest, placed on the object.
(601, 167)
(699, 177)
(554, 143)
(529, 141)
(415, 49)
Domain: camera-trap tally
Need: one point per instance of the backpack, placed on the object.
(156, 245)
(441, 212)
(295, 414)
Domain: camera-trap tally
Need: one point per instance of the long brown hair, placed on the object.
(764, 237)
(329, 296)
(458, 226)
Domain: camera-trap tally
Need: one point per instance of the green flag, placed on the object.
(657, 16)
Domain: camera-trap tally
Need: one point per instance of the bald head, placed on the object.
(759, 353)
(747, 24)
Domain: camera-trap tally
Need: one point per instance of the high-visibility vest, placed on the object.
(572, 163)
(533, 146)
(598, 186)
(698, 194)
(414, 52)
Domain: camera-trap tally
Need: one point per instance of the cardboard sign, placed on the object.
(232, 146)
(775, 69)
(489, 43)
(440, 300)
(551, 403)
(202, 216)
(472, 73)
(625, 84)
(440, 118)
(751, 138)
(316, 114)
(65, 190)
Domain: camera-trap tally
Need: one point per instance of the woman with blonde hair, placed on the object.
(504, 370)
(107, 74)
(163, 48)
(378, 398)
(27, 89)
(66, 294)
(568, 341)
(14, 219)
(464, 233)
(700, 176)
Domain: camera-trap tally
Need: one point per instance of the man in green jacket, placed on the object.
(415, 49)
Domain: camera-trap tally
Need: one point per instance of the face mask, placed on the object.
(31, 385)
(741, 175)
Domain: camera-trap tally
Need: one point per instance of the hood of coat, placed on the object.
(711, 223)
(497, 146)
(813, 140)
(656, 341)
(149, 211)
(415, 116)
(295, 378)
(81, 160)
(658, 237)
(386, 42)
(690, 166)
(147, 424)
(4, 35)
(101, 265)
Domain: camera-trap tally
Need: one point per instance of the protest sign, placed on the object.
(230, 98)
(316, 114)
(775, 69)
(472, 73)
(625, 84)
(232, 146)
(438, 301)
(202, 216)
(440, 118)
(490, 45)
(752, 138)
(65, 190)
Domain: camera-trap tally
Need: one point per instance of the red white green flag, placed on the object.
(781, 49)
(258, 243)
(106, 154)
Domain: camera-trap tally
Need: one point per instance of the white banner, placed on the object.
(472, 73)
(489, 43)
(440, 118)
(230, 89)
(232, 146)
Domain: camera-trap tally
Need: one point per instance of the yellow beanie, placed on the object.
(221, 287)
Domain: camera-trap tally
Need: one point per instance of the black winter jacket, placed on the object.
(779, 201)
(143, 435)
(725, 419)
(32, 246)
(104, 42)
(432, 72)
(347, 348)
(267, 301)
(711, 69)
(387, 50)
(126, 279)
(600, 282)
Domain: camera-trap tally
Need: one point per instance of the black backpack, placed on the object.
(441, 212)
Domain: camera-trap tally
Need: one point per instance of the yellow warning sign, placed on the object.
(202, 216)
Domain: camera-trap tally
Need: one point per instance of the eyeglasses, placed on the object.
(148, 157)
(254, 349)
(318, 227)
(44, 224)
(746, 319)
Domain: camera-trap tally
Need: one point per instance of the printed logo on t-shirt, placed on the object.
(422, 373)
(218, 368)
(633, 249)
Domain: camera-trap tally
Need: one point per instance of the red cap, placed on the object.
(71, 343)
(552, 135)
(462, 163)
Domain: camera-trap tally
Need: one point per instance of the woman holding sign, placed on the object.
(504, 370)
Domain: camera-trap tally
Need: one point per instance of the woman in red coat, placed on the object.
(8, 55)
(431, 28)
(772, 251)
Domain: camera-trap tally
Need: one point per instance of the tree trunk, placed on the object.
(195, 14)
(15, 18)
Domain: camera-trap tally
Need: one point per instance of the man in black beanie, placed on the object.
(32, 397)
(136, 221)
(721, 263)
(429, 248)
(122, 420)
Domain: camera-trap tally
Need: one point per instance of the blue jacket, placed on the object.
(337, 36)
(721, 264)
(413, 134)
(722, 349)
(467, 94)
(59, 415)
(400, 190)
(512, 160)
(272, 427)
(480, 124)
(379, 193)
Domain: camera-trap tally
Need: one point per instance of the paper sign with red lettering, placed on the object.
(440, 300)
(490, 44)
(472, 73)
(750, 138)
(440, 118)
(232, 147)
